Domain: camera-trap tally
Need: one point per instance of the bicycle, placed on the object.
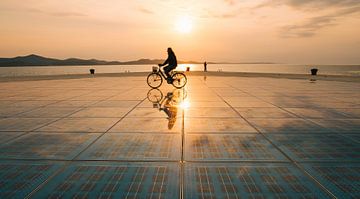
(156, 78)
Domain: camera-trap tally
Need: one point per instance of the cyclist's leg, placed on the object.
(167, 70)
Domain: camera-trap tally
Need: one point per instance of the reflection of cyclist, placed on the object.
(171, 64)
(170, 109)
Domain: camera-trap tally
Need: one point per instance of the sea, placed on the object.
(347, 70)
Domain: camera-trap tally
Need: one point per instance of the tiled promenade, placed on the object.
(220, 137)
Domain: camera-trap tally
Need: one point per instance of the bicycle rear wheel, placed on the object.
(179, 80)
(154, 80)
(154, 95)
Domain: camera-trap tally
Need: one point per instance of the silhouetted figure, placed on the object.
(205, 67)
(171, 64)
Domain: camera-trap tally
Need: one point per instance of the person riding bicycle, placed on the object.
(171, 64)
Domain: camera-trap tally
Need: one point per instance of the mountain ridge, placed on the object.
(37, 60)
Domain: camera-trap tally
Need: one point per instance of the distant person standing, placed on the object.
(171, 64)
(205, 67)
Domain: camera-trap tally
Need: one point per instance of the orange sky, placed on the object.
(286, 31)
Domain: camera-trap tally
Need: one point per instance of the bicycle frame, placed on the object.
(162, 73)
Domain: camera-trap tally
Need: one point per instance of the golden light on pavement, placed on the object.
(185, 104)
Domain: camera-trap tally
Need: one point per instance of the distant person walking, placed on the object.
(171, 64)
(205, 67)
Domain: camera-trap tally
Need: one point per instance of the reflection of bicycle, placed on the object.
(168, 104)
(157, 98)
(155, 79)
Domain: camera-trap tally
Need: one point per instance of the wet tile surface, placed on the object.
(82, 125)
(220, 137)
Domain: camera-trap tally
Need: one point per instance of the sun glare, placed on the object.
(184, 24)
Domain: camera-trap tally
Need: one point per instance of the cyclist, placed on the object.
(171, 64)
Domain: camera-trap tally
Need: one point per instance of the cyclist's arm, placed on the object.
(166, 62)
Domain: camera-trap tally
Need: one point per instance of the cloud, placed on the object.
(311, 4)
(145, 10)
(230, 2)
(312, 25)
(307, 28)
(57, 14)
(329, 13)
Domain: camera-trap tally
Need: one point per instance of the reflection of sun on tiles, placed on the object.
(317, 147)
(80, 125)
(248, 181)
(101, 112)
(137, 124)
(73, 103)
(230, 125)
(151, 112)
(116, 146)
(47, 146)
(19, 179)
(49, 112)
(116, 103)
(102, 180)
(341, 179)
(230, 147)
(22, 124)
(210, 112)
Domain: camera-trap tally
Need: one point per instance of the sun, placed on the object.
(184, 24)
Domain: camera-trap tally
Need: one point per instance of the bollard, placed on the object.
(314, 71)
(92, 71)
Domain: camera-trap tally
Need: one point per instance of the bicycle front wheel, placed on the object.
(154, 80)
(179, 80)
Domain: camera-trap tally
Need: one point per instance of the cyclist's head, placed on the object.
(169, 50)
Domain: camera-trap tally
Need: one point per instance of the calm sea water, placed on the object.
(352, 70)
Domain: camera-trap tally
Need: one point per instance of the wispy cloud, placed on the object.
(312, 25)
(57, 14)
(230, 2)
(311, 4)
(329, 14)
(145, 10)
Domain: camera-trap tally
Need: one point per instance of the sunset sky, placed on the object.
(284, 31)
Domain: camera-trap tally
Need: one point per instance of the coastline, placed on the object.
(341, 78)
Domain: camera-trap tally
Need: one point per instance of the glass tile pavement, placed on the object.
(240, 147)
(317, 147)
(134, 146)
(343, 180)
(47, 146)
(6, 136)
(102, 180)
(19, 179)
(212, 154)
(248, 181)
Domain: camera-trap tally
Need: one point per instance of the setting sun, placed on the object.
(184, 24)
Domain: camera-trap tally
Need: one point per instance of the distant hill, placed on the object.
(36, 60)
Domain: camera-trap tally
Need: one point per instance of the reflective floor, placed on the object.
(219, 137)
